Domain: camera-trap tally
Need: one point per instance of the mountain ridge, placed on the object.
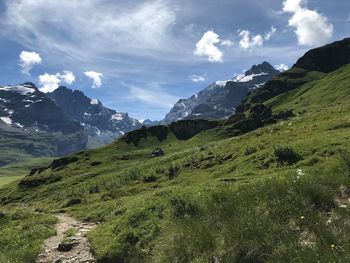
(220, 98)
(102, 124)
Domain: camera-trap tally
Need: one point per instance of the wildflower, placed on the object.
(328, 221)
(300, 172)
(332, 246)
(302, 217)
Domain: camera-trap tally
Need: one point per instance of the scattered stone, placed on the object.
(156, 153)
(76, 249)
(65, 247)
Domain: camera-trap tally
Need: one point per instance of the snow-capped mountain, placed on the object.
(31, 125)
(219, 99)
(103, 125)
(25, 107)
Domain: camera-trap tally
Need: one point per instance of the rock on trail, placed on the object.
(75, 248)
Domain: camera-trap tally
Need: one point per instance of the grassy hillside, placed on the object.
(18, 146)
(16, 171)
(279, 192)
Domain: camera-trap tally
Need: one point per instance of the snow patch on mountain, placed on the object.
(117, 117)
(94, 102)
(7, 120)
(22, 89)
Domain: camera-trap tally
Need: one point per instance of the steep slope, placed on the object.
(327, 58)
(219, 99)
(312, 66)
(103, 125)
(31, 125)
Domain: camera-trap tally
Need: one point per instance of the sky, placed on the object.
(141, 57)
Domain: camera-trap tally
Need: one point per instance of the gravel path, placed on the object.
(77, 247)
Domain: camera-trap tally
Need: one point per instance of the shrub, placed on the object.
(73, 201)
(173, 171)
(182, 207)
(285, 154)
(94, 189)
(345, 162)
(95, 163)
(149, 179)
(250, 150)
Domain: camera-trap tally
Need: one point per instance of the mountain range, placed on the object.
(66, 120)
(33, 123)
(220, 98)
(103, 125)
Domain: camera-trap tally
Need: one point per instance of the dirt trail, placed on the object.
(78, 244)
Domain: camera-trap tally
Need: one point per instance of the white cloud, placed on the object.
(96, 78)
(154, 96)
(198, 78)
(50, 82)
(281, 67)
(269, 34)
(227, 43)
(311, 28)
(348, 18)
(27, 60)
(249, 40)
(293, 6)
(68, 77)
(205, 47)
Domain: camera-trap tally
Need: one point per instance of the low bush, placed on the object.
(285, 154)
(250, 150)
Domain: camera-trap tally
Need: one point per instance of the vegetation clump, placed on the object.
(285, 154)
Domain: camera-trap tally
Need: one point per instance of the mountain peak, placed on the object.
(264, 67)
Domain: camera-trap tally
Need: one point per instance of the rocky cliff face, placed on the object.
(219, 99)
(102, 125)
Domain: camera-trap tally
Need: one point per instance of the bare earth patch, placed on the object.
(76, 248)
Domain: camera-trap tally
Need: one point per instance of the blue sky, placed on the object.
(142, 56)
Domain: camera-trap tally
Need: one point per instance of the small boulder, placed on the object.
(156, 153)
(65, 246)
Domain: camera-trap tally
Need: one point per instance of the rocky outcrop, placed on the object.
(156, 153)
(183, 130)
(327, 58)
